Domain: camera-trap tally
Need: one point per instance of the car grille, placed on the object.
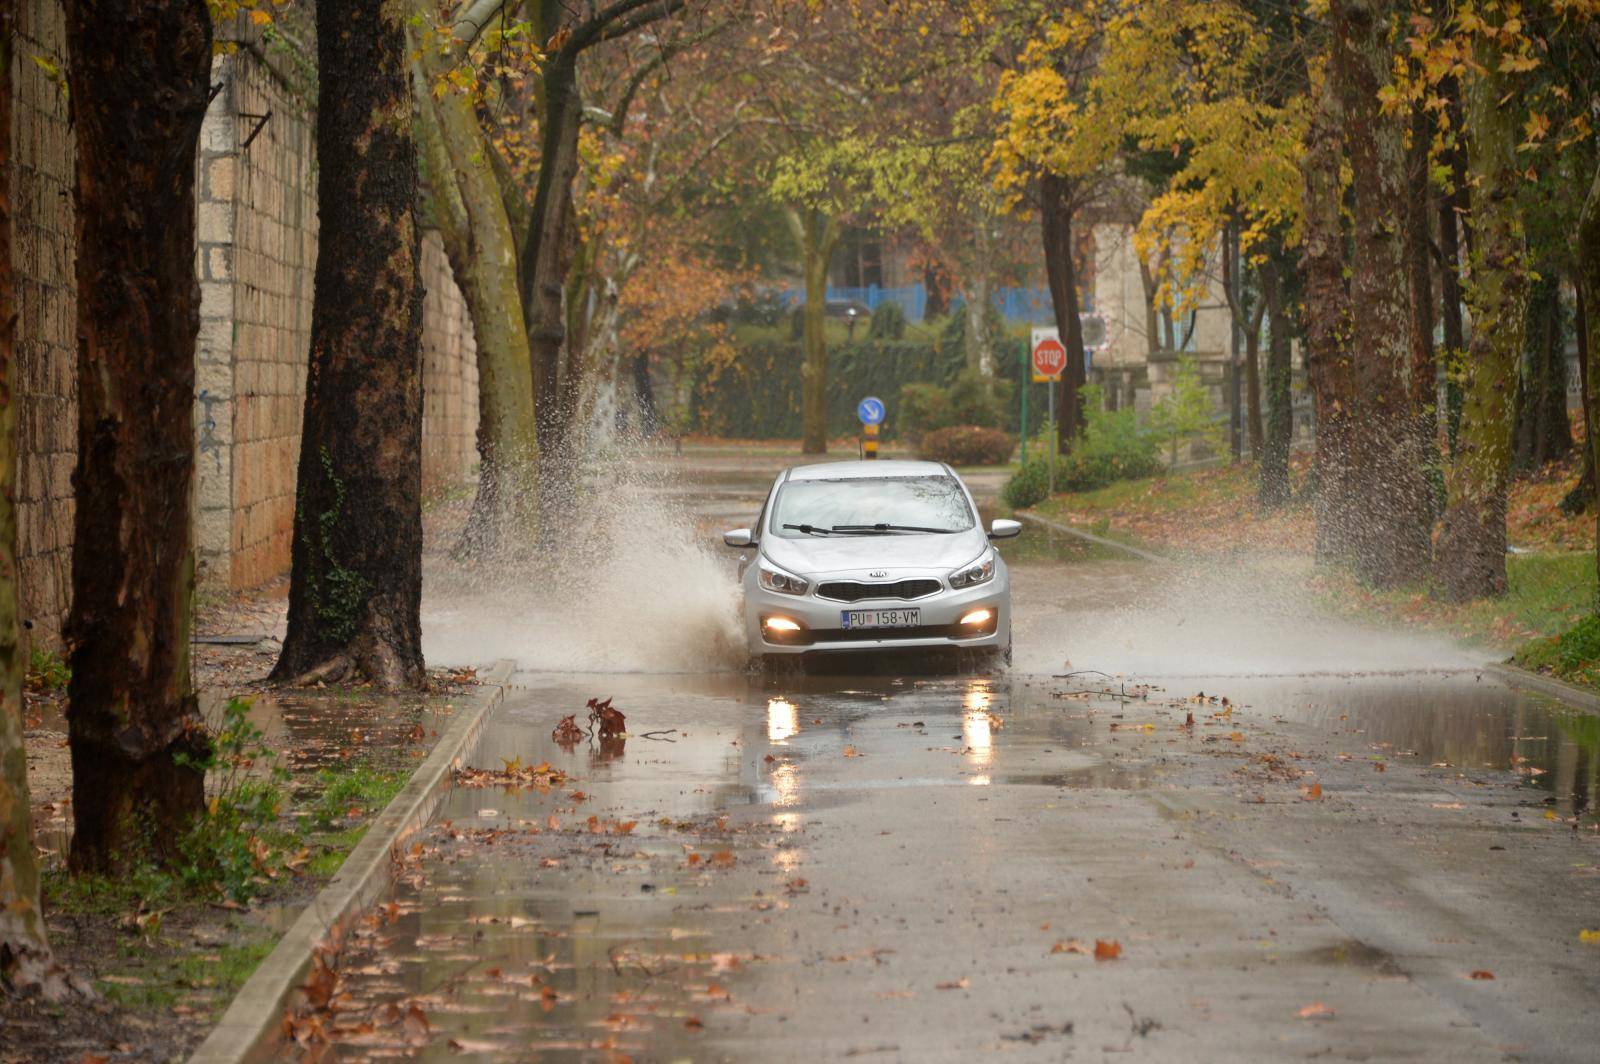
(849, 591)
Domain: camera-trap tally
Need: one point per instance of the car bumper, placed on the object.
(822, 628)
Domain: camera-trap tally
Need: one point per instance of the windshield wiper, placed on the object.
(892, 528)
(811, 530)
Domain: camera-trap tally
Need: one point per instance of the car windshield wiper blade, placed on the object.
(892, 528)
(811, 530)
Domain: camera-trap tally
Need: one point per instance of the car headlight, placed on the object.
(974, 573)
(777, 580)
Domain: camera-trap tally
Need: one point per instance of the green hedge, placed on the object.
(758, 396)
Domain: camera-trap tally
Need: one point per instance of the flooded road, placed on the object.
(1177, 829)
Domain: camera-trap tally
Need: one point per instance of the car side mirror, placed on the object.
(738, 537)
(1000, 528)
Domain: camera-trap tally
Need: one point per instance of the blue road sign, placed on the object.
(870, 410)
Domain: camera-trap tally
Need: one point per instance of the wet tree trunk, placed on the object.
(26, 962)
(1543, 433)
(355, 593)
(482, 249)
(1471, 560)
(132, 721)
(1588, 280)
(1389, 501)
(1056, 195)
(817, 235)
(1327, 318)
(1274, 467)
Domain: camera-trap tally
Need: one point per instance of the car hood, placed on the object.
(816, 555)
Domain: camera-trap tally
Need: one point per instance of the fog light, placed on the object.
(782, 624)
(977, 617)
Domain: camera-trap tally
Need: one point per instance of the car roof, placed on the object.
(866, 470)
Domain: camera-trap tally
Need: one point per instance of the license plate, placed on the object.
(854, 619)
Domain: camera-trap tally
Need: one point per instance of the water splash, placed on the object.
(633, 584)
(1247, 616)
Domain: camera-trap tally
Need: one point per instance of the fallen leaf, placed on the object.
(693, 1023)
(1105, 950)
(1316, 1011)
(1312, 793)
(959, 984)
(1071, 945)
(850, 751)
(1482, 973)
(1589, 937)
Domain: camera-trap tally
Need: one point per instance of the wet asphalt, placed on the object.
(1394, 861)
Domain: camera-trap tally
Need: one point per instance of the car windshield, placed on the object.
(870, 504)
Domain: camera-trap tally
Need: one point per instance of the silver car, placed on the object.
(872, 556)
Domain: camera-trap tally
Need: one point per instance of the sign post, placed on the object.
(1049, 360)
(870, 410)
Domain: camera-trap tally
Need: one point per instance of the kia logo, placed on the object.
(879, 572)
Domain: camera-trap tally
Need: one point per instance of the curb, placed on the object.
(1143, 555)
(250, 1028)
(1516, 676)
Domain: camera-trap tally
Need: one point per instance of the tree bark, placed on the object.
(132, 720)
(1055, 215)
(1248, 322)
(1389, 499)
(482, 248)
(1450, 208)
(1274, 490)
(1423, 371)
(1471, 561)
(1582, 495)
(543, 279)
(26, 961)
(1327, 332)
(1543, 434)
(1588, 279)
(355, 593)
(817, 235)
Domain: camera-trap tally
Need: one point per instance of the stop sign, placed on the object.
(1049, 357)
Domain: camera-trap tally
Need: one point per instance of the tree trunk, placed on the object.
(26, 962)
(543, 277)
(1274, 485)
(980, 337)
(1450, 307)
(1248, 324)
(132, 719)
(482, 249)
(1252, 384)
(1471, 560)
(355, 593)
(1327, 310)
(1423, 372)
(1389, 498)
(1588, 280)
(1582, 495)
(1543, 434)
(817, 234)
(1055, 214)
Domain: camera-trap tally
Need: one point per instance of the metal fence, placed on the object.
(1014, 304)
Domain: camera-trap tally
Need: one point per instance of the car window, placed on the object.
(933, 502)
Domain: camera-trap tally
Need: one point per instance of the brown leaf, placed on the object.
(723, 859)
(958, 984)
(1483, 973)
(1316, 1011)
(1107, 950)
(850, 751)
(1070, 945)
(1312, 793)
(693, 1023)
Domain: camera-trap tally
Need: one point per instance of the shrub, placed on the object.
(922, 408)
(966, 445)
(1113, 447)
(978, 400)
(1186, 413)
(888, 322)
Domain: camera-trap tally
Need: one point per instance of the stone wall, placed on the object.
(256, 257)
(449, 375)
(42, 256)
